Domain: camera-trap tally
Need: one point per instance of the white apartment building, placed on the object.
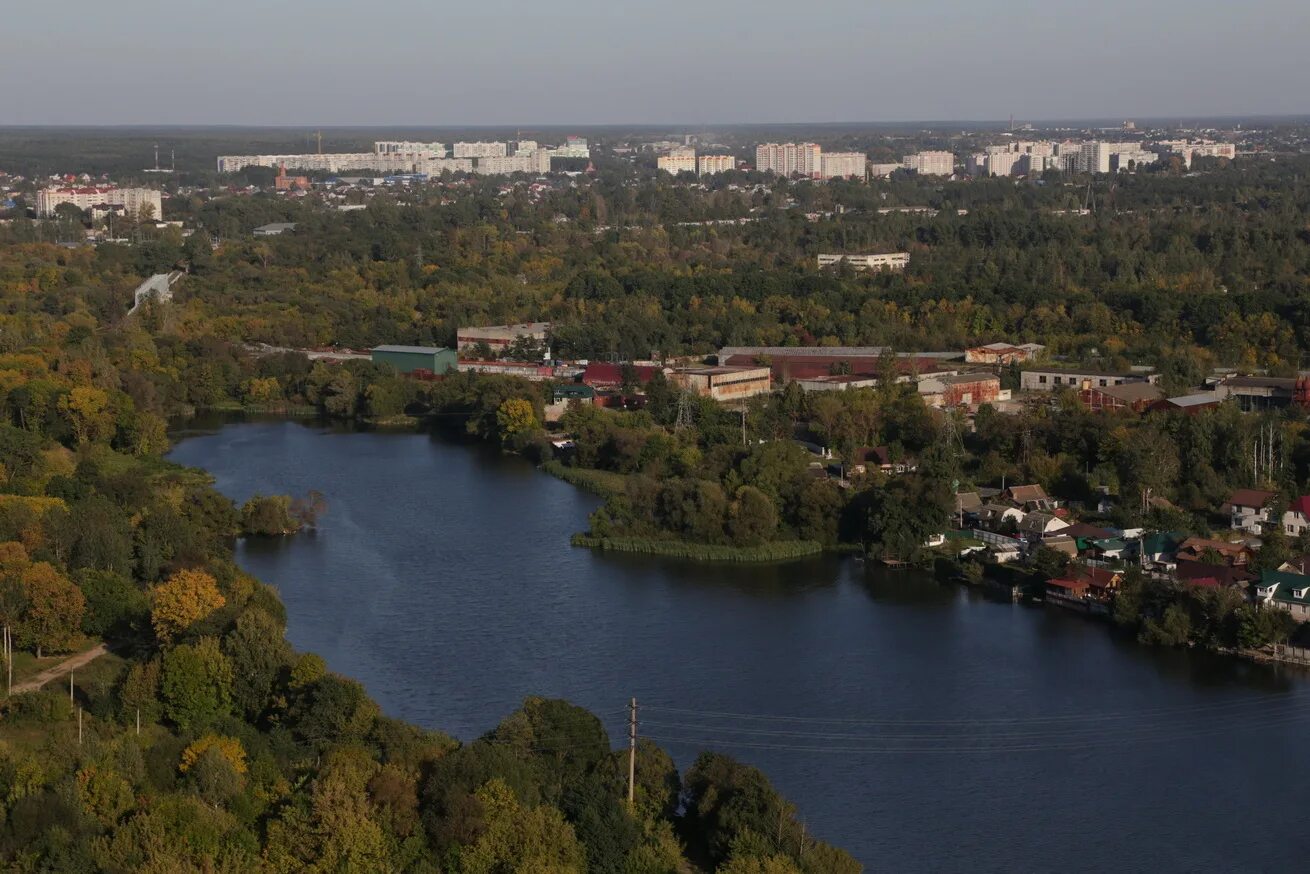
(573, 147)
(878, 171)
(522, 146)
(1134, 159)
(529, 162)
(708, 165)
(339, 162)
(886, 261)
(840, 165)
(677, 161)
(930, 163)
(130, 200)
(404, 147)
(437, 166)
(480, 150)
(789, 159)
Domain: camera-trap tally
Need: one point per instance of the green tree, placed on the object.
(196, 684)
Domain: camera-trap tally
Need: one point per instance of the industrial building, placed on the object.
(884, 261)
(725, 383)
(407, 359)
(498, 338)
(1054, 380)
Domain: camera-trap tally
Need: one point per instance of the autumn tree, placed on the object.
(181, 601)
(53, 616)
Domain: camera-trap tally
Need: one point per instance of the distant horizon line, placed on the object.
(935, 123)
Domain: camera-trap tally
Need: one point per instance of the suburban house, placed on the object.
(993, 516)
(868, 458)
(1086, 534)
(1160, 547)
(1248, 509)
(1037, 525)
(1110, 549)
(1067, 591)
(1062, 543)
(1196, 572)
(1286, 591)
(1297, 518)
(1197, 549)
(1030, 498)
(1134, 397)
(1298, 565)
(564, 393)
(1102, 583)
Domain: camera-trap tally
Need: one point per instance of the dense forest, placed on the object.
(202, 741)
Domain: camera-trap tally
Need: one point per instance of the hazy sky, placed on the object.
(496, 62)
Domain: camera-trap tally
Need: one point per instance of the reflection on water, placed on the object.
(442, 578)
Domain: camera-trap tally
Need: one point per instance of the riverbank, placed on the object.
(783, 550)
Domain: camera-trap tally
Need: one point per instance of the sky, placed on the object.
(496, 62)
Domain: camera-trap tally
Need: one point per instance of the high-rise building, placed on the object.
(133, 201)
(480, 150)
(524, 146)
(708, 165)
(789, 159)
(677, 161)
(841, 165)
(930, 163)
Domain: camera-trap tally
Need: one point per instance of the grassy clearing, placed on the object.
(599, 482)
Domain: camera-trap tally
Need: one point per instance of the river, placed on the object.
(921, 726)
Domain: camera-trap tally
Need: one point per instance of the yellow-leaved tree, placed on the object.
(229, 747)
(181, 601)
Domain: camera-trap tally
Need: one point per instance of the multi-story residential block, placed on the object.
(573, 147)
(789, 159)
(528, 162)
(708, 165)
(877, 171)
(842, 165)
(404, 147)
(930, 163)
(677, 161)
(480, 150)
(133, 201)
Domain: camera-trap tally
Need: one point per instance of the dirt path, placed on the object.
(71, 663)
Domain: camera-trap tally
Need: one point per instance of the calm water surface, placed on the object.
(959, 733)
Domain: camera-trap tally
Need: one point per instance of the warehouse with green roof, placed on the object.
(408, 359)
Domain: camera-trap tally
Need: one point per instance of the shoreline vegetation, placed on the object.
(776, 551)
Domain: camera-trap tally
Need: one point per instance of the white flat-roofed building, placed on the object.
(789, 159)
(523, 146)
(130, 200)
(1057, 379)
(677, 161)
(879, 170)
(843, 165)
(480, 150)
(708, 165)
(930, 163)
(885, 261)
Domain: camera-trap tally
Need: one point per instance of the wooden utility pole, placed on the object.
(632, 753)
(138, 722)
(79, 726)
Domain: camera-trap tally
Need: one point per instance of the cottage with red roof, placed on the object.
(1296, 520)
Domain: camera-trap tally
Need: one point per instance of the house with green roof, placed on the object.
(1286, 591)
